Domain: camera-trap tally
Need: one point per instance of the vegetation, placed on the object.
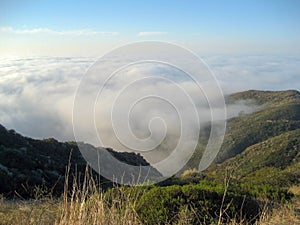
(27, 164)
(207, 202)
(248, 130)
(266, 97)
(275, 161)
(255, 180)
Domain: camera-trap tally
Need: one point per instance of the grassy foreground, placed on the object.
(96, 210)
(48, 211)
(201, 202)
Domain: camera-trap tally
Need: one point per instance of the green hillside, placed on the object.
(247, 130)
(263, 147)
(276, 112)
(275, 161)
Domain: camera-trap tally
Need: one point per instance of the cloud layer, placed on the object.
(36, 94)
(265, 72)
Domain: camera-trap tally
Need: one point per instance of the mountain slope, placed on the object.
(26, 163)
(263, 147)
(255, 141)
(275, 112)
(275, 161)
(278, 112)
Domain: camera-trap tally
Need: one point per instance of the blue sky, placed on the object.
(67, 27)
(247, 44)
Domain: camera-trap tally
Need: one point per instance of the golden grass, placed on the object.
(95, 209)
(28, 212)
(285, 215)
(85, 204)
(295, 190)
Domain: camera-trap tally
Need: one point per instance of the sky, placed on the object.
(92, 27)
(48, 47)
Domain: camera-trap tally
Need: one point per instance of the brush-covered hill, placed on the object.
(275, 161)
(278, 112)
(264, 146)
(27, 164)
(274, 113)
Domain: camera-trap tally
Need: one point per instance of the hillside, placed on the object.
(250, 138)
(275, 161)
(279, 113)
(263, 147)
(275, 112)
(255, 179)
(26, 163)
(32, 162)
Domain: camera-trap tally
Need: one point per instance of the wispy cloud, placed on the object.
(78, 32)
(151, 33)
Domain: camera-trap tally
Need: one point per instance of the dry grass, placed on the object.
(286, 214)
(96, 210)
(295, 190)
(28, 212)
(85, 204)
(74, 210)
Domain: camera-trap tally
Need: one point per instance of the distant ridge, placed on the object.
(267, 97)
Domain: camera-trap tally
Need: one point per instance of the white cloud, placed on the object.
(55, 32)
(38, 83)
(36, 95)
(151, 33)
(264, 72)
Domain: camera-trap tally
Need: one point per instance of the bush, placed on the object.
(192, 176)
(160, 205)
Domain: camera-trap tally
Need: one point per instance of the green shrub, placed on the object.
(160, 205)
